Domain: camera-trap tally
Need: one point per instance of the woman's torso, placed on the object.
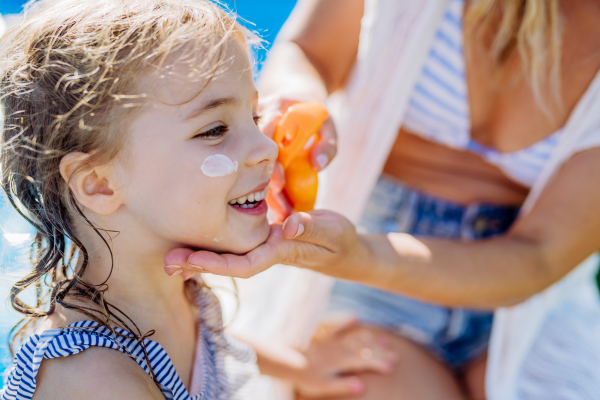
(504, 115)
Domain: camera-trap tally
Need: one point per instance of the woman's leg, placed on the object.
(474, 378)
(417, 376)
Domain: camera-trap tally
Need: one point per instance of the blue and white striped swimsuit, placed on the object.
(439, 107)
(227, 372)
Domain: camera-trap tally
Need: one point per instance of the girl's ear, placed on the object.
(94, 187)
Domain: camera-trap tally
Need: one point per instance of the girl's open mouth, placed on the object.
(253, 204)
(256, 208)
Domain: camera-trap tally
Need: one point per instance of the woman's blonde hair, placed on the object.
(69, 82)
(531, 28)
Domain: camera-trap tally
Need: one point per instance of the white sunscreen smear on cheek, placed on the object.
(218, 165)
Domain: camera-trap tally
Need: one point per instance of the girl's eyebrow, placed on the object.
(211, 105)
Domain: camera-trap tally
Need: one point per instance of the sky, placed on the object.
(267, 15)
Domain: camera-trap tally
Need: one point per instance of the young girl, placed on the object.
(130, 130)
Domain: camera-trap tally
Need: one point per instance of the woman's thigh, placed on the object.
(474, 378)
(417, 376)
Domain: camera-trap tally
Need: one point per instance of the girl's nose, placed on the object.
(264, 150)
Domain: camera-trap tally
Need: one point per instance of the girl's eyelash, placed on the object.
(220, 130)
(213, 133)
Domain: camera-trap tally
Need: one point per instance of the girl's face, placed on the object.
(188, 161)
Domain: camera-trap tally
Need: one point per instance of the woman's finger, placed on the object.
(368, 358)
(334, 387)
(273, 251)
(324, 151)
(176, 261)
(271, 109)
(362, 349)
(279, 206)
(277, 182)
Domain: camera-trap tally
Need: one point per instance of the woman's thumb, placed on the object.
(299, 225)
(316, 227)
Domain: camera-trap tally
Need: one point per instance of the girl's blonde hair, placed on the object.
(69, 82)
(531, 28)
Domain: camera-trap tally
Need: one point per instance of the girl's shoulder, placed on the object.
(95, 374)
(53, 364)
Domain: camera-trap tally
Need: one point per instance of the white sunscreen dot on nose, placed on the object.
(218, 165)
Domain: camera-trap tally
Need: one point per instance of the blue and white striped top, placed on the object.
(227, 366)
(439, 107)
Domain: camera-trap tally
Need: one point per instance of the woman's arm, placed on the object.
(315, 50)
(561, 230)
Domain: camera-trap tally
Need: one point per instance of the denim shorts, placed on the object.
(454, 335)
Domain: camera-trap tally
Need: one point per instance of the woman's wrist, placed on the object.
(354, 260)
(288, 366)
(360, 263)
(276, 360)
(371, 260)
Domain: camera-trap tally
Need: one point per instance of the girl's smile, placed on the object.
(252, 203)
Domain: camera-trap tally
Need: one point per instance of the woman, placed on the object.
(484, 143)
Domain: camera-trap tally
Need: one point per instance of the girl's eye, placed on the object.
(257, 119)
(213, 133)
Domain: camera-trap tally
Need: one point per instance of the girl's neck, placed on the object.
(135, 277)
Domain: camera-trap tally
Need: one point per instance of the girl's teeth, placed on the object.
(251, 198)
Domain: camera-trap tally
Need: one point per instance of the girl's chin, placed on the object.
(250, 240)
(240, 244)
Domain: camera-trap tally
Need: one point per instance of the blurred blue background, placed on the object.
(267, 16)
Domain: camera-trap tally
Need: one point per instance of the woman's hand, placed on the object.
(271, 109)
(339, 350)
(335, 354)
(313, 240)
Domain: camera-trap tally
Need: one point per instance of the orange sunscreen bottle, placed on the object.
(296, 133)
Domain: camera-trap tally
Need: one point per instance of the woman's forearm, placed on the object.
(497, 272)
(314, 51)
(289, 73)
